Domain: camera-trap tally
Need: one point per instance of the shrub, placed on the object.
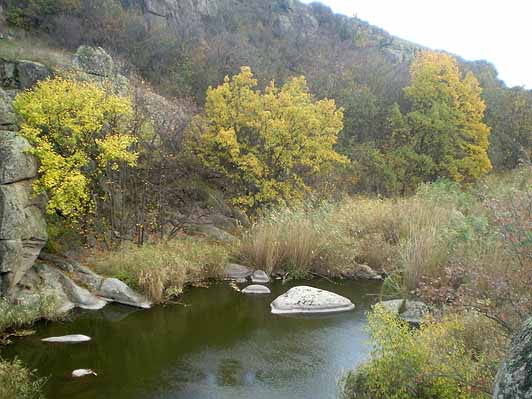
(78, 131)
(162, 270)
(17, 382)
(433, 362)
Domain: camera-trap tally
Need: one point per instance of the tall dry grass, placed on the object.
(331, 239)
(162, 270)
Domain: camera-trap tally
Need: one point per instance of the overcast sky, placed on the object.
(495, 30)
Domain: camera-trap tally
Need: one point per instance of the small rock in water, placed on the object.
(256, 289)
(260, 277)
(83, 373)
(310, 300)
(74, 338)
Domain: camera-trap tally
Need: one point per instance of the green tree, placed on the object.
(269, 144)
(509, 114)
(445, 122)
(78, 132)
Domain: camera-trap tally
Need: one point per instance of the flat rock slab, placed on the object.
(234, 271)
(68, 339)
(256, 289)
(260, 277)
(310, 300)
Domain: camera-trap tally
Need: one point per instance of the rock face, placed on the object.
(22, 226)
(514, 379)
(260, 277)
(21, 74)
(310, 300)
(96, 65)
(410, 311)
(256, 289)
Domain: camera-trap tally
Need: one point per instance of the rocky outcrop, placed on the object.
(410, 311)
(514, 379)
(96, 65)
(22, 225)
(310, 300)
(21, 74)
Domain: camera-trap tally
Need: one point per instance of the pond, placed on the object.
(217, 344)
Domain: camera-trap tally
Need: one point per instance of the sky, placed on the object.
(499, 31)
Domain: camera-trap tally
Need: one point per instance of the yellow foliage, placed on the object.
(77, 129)
(268, 144)
(446, 121)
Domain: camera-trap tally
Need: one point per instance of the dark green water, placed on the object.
(222, 344)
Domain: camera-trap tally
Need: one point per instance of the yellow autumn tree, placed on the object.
(77, 130)
(445, 124)
(269, 144)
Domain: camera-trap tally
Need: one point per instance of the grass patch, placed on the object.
(162, 270)
(14, 317)
(34, 49)
(18, 382)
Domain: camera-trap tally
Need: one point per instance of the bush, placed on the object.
(433, 362)
(17, 382)
(162, 270)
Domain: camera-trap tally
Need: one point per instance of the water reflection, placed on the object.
(223, 345)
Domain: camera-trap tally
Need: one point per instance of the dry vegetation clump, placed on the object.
(162, 270)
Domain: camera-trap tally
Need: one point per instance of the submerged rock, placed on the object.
(256, 289)
(83, 373)
(117, 291)
(236, 272)
(514, 379)
(309, 300)
(68, 339)
(410, 311)
(260, 277)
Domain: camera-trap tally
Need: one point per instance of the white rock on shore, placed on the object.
(310, 300)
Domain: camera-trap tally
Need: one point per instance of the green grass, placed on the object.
(18, 382)
(17, 316)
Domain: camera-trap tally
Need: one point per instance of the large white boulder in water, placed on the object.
(310, 300)
(68, 339)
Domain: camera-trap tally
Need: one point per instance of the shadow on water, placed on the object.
(220, 344)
